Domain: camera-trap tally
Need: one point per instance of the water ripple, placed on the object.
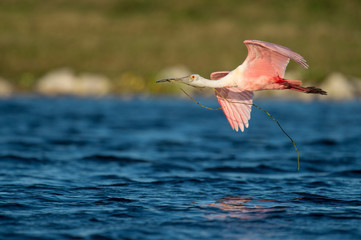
(166, 169)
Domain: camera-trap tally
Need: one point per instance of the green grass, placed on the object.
(142, 37)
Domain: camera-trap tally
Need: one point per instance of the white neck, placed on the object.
(223, 82)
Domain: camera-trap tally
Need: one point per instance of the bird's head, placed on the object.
(192, 80)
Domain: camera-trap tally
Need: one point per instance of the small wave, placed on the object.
(85, 188)
(113, 158)
(13, 206)
(324, 142)
(315, 198)
(116, 199)
(338, 216)
(257, 169)
(24, 142)
(175, 180)
(164, 167)
(41, 186)
(116, 177)
(317, 184)
(347, 173)
(170, 143)
(121, 215)
(115, 185)
(5, 217)
(66, 142)
(45, 199)
(21, 158)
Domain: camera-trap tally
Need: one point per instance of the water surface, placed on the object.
(167, 169)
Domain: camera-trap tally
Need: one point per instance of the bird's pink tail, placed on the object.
(295, 85)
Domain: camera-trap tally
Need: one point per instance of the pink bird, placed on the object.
(263, 69)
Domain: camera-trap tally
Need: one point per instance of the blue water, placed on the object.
(167, 169)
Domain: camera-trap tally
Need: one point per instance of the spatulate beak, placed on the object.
(181, 79)
(165, 80)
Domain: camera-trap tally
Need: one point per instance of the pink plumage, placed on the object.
(236, 104)
(264, 68)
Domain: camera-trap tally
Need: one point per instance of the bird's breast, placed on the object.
(255, 83)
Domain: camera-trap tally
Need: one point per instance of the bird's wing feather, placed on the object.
(269, 59)
(218, 75)
(236, 103)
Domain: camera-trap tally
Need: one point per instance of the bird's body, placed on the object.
(263, 69)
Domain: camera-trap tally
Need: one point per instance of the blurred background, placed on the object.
(96, 47)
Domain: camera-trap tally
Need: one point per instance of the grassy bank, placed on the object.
(142, 37)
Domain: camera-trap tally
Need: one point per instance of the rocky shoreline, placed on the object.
(65, 82)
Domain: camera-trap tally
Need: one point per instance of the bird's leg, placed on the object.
(295, 85)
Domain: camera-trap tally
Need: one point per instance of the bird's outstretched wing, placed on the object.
(268, 59)
(236, 103)
(264, 59)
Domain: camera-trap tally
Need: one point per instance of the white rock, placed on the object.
(64, 81)
(339, 87)
(93, 84)
(60, 81)
(357, 83)
(5, 88)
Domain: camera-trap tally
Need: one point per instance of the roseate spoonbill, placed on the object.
(263, 69)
